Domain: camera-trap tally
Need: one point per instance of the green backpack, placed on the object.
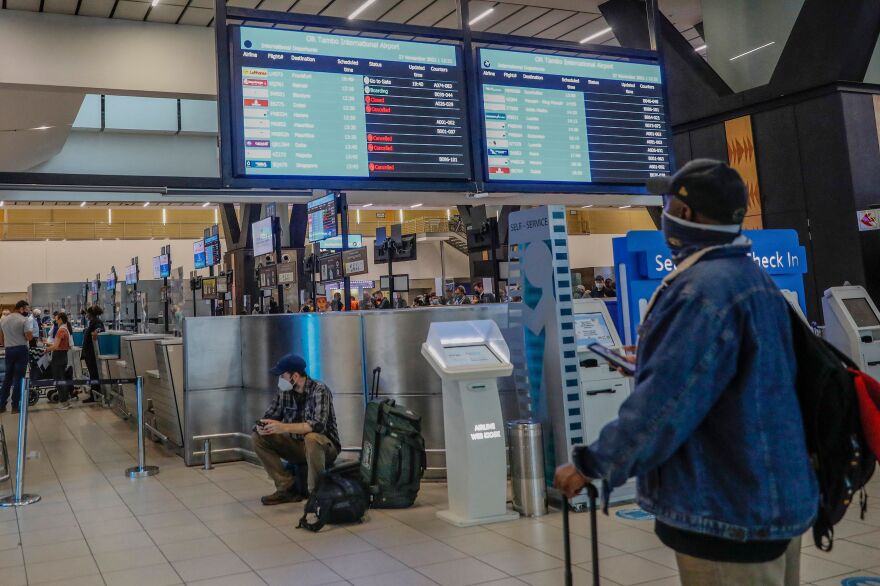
(393, 457)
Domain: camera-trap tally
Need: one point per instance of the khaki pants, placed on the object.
(316, 451)
(783, 571)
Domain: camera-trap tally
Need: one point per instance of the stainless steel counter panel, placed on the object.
(331, 346)
(212, 352)
(137, 357)
(393, 341)
(165, 398)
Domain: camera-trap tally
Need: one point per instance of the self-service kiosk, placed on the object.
(469, 356)
(603, 388)
(852, 325)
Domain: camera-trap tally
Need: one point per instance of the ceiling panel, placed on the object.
(96, 8)
(131, 10)
(501, 12)
(31, 5)
(342, 8)
(542, 23)
(378, 8)
(275, 5)
(196, 16)
(59, 6)
(573, 22)
(451, 21)
(203, 4)
(243, 3)
(165, 13)
(405, 10)
(310, 6)
(518, 19)
(435, 12)
(580, 5)
(587, 30)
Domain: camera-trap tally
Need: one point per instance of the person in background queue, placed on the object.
(15, 335)
(90, 348)
(598, 289)
(354, 303)
(481, 296)
(300, 427)
(610, 288)
(713, 429)
(460, 297)
(337, 304)
(60, 348)
(380, 301)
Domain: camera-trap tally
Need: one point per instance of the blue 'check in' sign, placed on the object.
(860, 581)
(635, 515)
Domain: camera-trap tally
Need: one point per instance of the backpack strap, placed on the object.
(323, 514)
(679, 269)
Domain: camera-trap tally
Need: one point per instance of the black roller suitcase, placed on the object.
(593, 495)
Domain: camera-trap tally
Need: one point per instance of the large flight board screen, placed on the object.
(561, 119)
(311, 105)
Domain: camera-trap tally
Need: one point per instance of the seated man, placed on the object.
(299, 426)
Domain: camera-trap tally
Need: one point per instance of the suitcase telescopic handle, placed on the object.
(374, 392)
(592, 495)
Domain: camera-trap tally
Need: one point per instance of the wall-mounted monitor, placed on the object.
(308, 105)
(407, 250)
(401, 283)
(264, 242)
(212, 250)
(199, 254)
(323, 220)
(573, 121)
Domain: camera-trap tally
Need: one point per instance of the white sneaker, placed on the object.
(64, 406)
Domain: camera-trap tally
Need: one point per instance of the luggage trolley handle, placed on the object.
(592, 495)
(374, 390)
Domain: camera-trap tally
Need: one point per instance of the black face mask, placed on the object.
(684, 237)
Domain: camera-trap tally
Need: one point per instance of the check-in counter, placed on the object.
(163, 390)
(109, 351)
(138, 356)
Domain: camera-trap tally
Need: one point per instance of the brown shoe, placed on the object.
(280, 497)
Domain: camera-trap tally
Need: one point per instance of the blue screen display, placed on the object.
(212, 250)
(308, 104)
(199, 253)
(564, 119)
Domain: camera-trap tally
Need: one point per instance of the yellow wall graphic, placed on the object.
(741, 155)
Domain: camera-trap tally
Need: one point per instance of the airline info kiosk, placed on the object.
(603, 389)
(469, 356)
(852, 325)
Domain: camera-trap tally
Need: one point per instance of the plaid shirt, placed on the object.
(317, 410)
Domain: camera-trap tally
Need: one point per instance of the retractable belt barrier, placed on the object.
(46, 382)
(18, 498)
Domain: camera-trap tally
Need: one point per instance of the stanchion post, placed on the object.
(141, 470)
(208, 465)
(18, 498)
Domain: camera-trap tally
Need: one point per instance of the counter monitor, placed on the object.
(308, 104)
(590, 328)
(164, 266)
(199, 254)
(131, 275)
(860, 311)
(575, 120)
(264, 243)
(322, 219)
(111, 282)
(472, 355)
(212, 250)
(157, 268)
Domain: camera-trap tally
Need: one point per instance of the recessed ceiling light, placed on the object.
(43, 127)
(82, 205)
(700, 48)
(416, 205)
(361, 8)
(146, 204)
(154, 3)
(206, 204)
(585, 207)
(624, 207)
(752, 50)
(481, 16)
(594, 36)
(367, 205)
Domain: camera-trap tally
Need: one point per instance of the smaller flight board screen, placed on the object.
(164, 266)
(111, 282)
(131, 275)
(263, 241)
(307, 105)
(212, 250)
(560, 119)
(199, 254)
(157, 268)
(323, 222)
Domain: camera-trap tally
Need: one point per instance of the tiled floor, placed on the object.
(95, 526)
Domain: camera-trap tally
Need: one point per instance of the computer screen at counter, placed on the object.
(562, 119)
(308, 104)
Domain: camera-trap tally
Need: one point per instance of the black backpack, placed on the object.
(338, 498)
(393, 458)
(829, 405)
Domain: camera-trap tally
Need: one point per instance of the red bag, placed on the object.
(868, 391)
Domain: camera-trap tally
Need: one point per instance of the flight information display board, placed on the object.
(309, 105)
(561, 119)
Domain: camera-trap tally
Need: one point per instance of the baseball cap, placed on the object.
(707, 186)
(289, 363)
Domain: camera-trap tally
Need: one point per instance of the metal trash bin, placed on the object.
(526, 453)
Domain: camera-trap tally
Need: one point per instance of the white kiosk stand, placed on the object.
(852, 325)
(469, 356)
(603, 389)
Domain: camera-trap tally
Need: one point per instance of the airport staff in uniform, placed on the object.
(713, 429)
(90, 348)
(300, 427)
(15, 334)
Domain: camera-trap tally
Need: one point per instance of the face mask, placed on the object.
(684, 237)
(284, 385)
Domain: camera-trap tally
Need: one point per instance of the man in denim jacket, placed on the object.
(713, 429)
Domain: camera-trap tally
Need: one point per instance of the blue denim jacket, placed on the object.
(713, 429)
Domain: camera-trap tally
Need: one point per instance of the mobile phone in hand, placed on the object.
(615, 359)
